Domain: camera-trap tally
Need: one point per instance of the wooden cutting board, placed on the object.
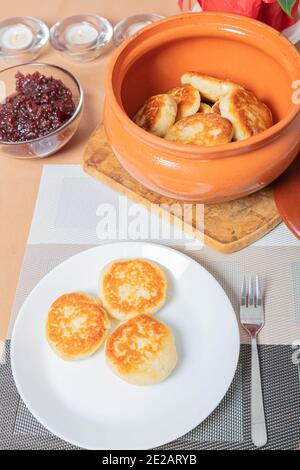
(228, 227)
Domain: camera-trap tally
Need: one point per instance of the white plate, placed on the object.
(84, 402)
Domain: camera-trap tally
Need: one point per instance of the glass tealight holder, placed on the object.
(81, 38)
(22, 39)
(133, 24)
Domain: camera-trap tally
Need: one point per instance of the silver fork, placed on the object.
(253, 319)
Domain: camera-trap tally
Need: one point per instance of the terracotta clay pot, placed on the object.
(222, 45)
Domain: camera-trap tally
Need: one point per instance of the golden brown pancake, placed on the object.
(205, 108)
(141, 351)
(188, 100)
(249, 116)
(76, 326)
(129, 287)
(157, 115)
(211, 88)
(202, 129)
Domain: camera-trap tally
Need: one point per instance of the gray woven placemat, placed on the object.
(65, 223)
(228, 427)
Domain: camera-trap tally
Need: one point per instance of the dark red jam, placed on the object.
(39, 106)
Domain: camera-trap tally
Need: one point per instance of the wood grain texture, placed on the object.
(228, 227)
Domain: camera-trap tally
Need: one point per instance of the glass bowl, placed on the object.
(133, 24)
(82, 51)
(19, 55)
(55, 140)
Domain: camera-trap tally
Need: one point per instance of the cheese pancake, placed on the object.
(211, 88)
(76, 326)
(249, 116)
(129, 287)
(202, 129)
(205, 108)
(141, 351)
(188, 100)
(157, 115)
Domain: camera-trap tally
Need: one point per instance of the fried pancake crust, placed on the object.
(211, 88)
(141, 350)
(249, 116)
(76, 326)
(202, 129)
(157, 115)
(129, 287)
(205, 108)
(188, 100)
(216, 108)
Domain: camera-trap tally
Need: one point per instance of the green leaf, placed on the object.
(287, 6)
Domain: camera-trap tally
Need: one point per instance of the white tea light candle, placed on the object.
(81, 38)
(81, 34)
(16, 37)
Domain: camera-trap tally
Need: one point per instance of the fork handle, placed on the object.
(258, 422)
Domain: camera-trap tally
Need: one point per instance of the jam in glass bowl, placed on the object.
(40, 109)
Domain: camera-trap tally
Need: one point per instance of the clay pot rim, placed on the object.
(191, 151)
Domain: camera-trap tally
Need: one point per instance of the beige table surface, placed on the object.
(19, 180)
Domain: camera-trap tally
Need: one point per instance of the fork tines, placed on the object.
(252, 297)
